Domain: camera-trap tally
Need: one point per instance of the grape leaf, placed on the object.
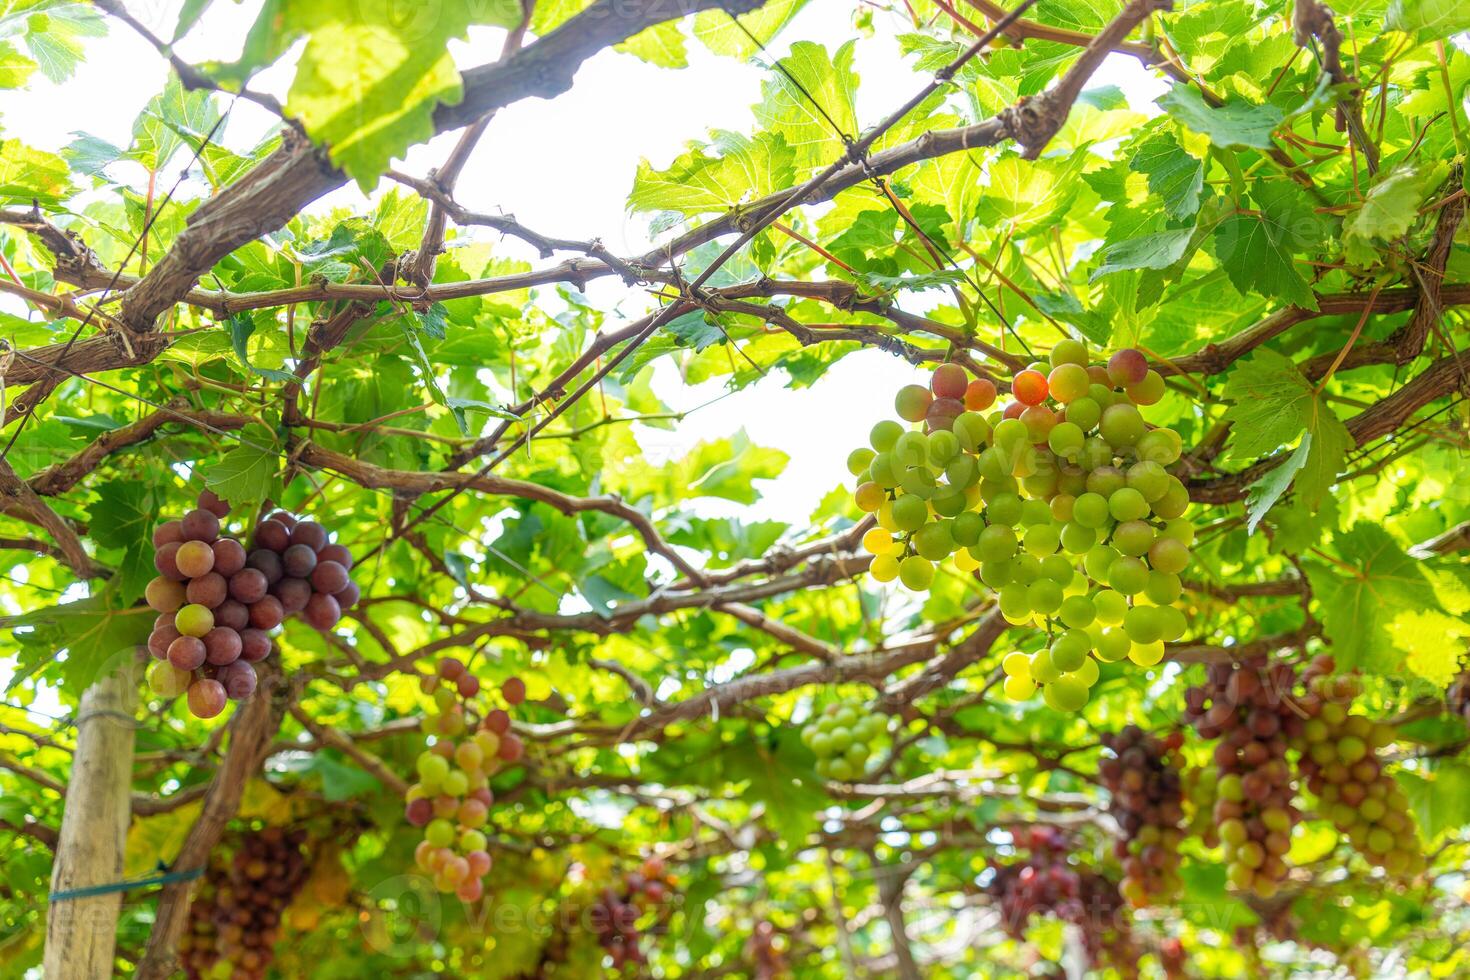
(1431, 19)
(1390, 207)
(810, 75)
(123, 518)
(1431, 642)
(1235, 124)
(1157, 251)
(1360, 597)
(29, 174)
(95, 633)
(1173, 174)
(700, 181)
(245, 475)
(1256, 249)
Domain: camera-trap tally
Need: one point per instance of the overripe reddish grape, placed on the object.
(337, 553)
(207, 590)
(321, 612)
(468, 685)
(165, 560)
(266, 614)
(169, 532)
(212, 502)
(514, 690)
(248, 585)
(293, 593)
(311, 534)
(299, 560)
(160, 640)
(255, 645)
(329, 577)
(979, 394)
(238, 679)
(268, 563)
(233, 614)
(229, 556)
(187, 653)
(450, 668)
(222, 646)
(200, 525)
(348, 597)
(511, 747)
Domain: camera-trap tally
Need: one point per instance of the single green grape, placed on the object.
(962, 472)
(1044, 596)
(934, 541)
(1133, 538)
(1035, 512)
(1106, 480)
(1066, 439)
(972, 431)
(1085, 412)
(916, 573)
(1041, 540)
(1122, 425)
(1077, 612)
(1098, 560)
(1143, 624)
(1111, 607)
(1163, 588)
(1090, 510)
(859, 460)
(1128, 575)
(884, 435)
(997, 543)
(967, 528)
(1149, 479)
(1057, 568)
(1076, 539)
(1127, 504)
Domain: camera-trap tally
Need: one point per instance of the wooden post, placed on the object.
(81, 933)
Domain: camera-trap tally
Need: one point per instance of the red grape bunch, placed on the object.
(214, 616)
(1247, 708)
(1340, 763)
(1148, 803)
(616, 913)
(1060, 502)
(300, 571)
(236, 914)
(1045, 883)
(451, 800)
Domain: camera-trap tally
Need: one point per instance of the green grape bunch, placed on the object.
(1061, 502)
(842, 738)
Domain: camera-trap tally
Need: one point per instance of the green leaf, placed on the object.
(696, 329)
(1173, 174)
(1440, 797)
(369, 78)
(1387, 212)
(27, 174)
(241, 326)
(96, 634)
(662, 45)
(123, 518)
(1430, 19)
(1272, 404)
(915, 282)
(1257, 250)
(1233, 125)
(721, 34)
(1432, 642)
(1375, 583)
(828, 81)
(246, 474)
(1157, 251)
(699, 182)
(411, 324)
(15, 68)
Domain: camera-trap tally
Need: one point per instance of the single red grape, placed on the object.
(164, 595)
(450, 668)
(348, 597)
(211, 502)
(187, 653)
(238, 679)
(511, 748)
(273, 535)
(222, 645)
(299, 560)
(311, 534)
(165, 559)
(249, 585)
(159, 640)
(200, 525)
(497, 721)
(322, 612)
(329, 577)
(266, 614)
(208, 590)
(1127, 367)
(255, 645)
(281, 517)
(229, 556)
(194, 558)
(337, 553)
(468, 685)
(169, 532)
(1029, 387)
(233, 614)
(206, 698)
(980, 394)
(293, 593)
(514, 691)
(949, 381)
(419, 812)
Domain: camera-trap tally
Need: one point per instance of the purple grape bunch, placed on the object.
(213, 622)
(302, 571)
(217, 604)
